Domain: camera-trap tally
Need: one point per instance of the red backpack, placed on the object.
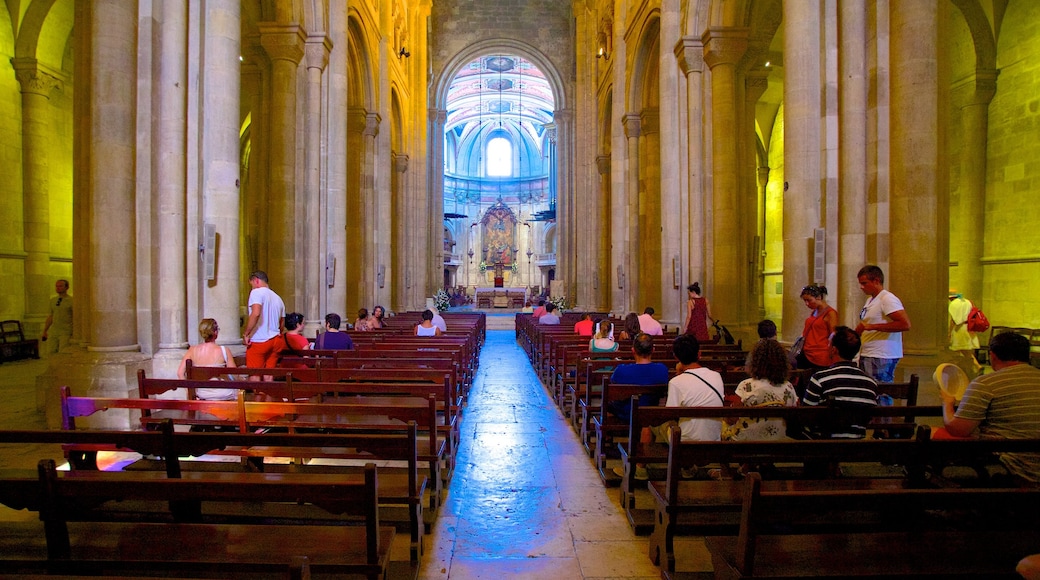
(977, 321)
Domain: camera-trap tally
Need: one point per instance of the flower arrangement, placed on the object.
(514, 268)
(560, 302)
(441, 301)
(483, 266)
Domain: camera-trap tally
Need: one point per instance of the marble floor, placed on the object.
(525, 500)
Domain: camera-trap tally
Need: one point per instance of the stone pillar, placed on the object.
(918, 268)
(968, 235)
(112, 179)
(631, 243)
(354, 217)
(434, 215)
(803, 177)
(284, 45)
(566, 253)
(403, 259)
(650, 219)
(756, 81)
(219, 160)
(601, 275)
(723, 49)
(852, 156)
(690, 53)
(310, 257)
(36, 85)
(170, 183)
(82, 200)
(369, 194)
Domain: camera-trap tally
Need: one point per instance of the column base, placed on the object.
(92, 374)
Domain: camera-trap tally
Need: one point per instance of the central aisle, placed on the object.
(525, 501)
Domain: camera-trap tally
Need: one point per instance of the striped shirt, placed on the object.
(1007, 404)
(842, 385)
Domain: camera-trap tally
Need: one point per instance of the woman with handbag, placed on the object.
(816, 335)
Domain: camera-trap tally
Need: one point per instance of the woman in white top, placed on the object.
(768, 386)
(209, 354)
(426, 327)
(603, 340)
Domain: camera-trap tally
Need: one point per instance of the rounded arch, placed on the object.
(549, 238)
(359, 69)
(696, 17)
(981, 33)
(643, 87)
(45, 32)
(728, 13)
(396, 122)
(447, 74)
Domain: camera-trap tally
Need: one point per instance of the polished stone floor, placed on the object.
(525, 501)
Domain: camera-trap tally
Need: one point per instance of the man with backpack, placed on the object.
(961, 335)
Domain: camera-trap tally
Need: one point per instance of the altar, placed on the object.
(501, 297)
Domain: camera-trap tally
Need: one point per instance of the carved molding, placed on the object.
(400, 163)
(689, 51)
(283, 41)
(372, 121)
(631, 123)
(603, 164)
(32, 79)
(317, 51)
(976, 89)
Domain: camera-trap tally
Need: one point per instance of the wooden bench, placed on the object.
(844, 533)
(13, 345)
(79, 538)
(634, 452)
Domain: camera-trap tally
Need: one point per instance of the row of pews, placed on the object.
(897, 504)
(313, 467)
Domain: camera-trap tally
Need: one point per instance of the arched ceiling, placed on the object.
(499, 89)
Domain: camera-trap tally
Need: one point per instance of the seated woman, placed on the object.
(631, 328)
(603, 340)
(768, 386)
(361, 324)
(375, 319)
(426, 327)
(209, 354)
(294, 338)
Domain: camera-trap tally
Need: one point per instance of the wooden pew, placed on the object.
(81, 539)
(634, 452)
(845, 533)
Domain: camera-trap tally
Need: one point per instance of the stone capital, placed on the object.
(371, 125)
(357, 119)
(282, 41)
(689, 51)
(400, 163)
(756, 81)
(603, 164)
(316, 52)
(631, 123)
(650, 121)
(32, 79)
(563, 116)
(976, 89)
(763, 176)
(724, 45)
(438, 116)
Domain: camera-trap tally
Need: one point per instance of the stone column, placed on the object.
(756, 81)
(36, 85)
(112, 179)
(968, 234)
(219, 159)
(723, 49)
(434, 215)
(601, 275)
(284, 45)
(310, 257)
(918, 268)
(404, 262)
(566, 253)
(651, 259)
(852, 156)
(631, 242)
(170, 183)
(369, 194)
(690, 53)
(803, 175)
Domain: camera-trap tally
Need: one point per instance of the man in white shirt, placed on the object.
(263, 333)
(647, 323)
(695, 386)
(882, 322)
(438, 320)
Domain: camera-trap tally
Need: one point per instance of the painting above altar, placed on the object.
(498, 234)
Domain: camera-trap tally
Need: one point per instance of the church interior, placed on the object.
(607, 153)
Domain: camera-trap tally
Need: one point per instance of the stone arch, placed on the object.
(442, 80)
(359, 70)
(728, 13)
(981, 33)
(315, 16)
(696, 17)
(645, 63)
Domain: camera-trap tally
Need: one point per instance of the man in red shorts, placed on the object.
(263, 334)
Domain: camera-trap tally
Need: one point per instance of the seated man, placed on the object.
(584, 326)
(648, 324)
(767, 329)
(332, 338)
(842, 385)
(1004, 403)
(695, 386)
(641, 372)
(438, 320)
(549, 317)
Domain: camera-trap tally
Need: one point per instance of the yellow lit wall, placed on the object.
(12, 273)
(1012, 246)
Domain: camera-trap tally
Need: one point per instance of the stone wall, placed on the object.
(12, 268)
